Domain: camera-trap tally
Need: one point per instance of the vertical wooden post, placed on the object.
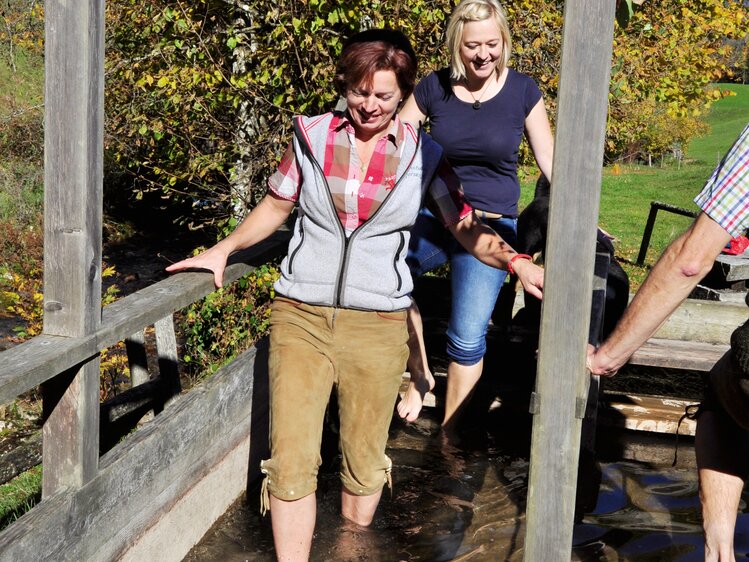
(166, 346)
(137, 359)
(73, 155)
(562, 383)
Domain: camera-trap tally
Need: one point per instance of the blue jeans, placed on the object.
(475, 286)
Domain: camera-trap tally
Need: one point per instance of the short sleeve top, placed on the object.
(481, 144)
(725, 197)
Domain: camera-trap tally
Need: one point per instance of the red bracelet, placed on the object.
(517, 257)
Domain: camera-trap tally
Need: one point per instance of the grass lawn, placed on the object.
(627, 191)
(21, 136)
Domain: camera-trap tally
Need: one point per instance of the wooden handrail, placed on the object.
(31, 363)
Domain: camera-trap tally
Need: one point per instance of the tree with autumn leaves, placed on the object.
(199, 94)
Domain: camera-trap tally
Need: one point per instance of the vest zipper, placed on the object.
(337, 297)
(299, 247)
(395, 261)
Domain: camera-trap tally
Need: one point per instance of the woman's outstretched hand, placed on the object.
(531, 276)
(213, 259)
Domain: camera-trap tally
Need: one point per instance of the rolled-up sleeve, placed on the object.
(286, 181)
(725, 197)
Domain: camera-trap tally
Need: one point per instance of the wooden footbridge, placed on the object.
(153, 494)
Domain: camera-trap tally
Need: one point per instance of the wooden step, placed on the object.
(677, 354)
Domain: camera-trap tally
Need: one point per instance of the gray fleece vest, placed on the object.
(368, 269)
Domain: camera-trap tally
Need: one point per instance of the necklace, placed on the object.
(477, 101)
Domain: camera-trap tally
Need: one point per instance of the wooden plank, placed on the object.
(675, 354)
(704, 321)
(137, 359)
(73, 191)
(734, 268)
(73, 165)
(656, 414)
(198, 510)
(70, 443)
(147, 474)
(166, 347)
(28, 364)
(562, 378)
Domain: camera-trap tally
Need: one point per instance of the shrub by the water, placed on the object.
(227, 322)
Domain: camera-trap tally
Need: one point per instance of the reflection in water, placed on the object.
(467, 503)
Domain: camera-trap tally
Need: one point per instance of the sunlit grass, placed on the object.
(19, 495)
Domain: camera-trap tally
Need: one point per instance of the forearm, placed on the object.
(482, 242)
(684, 263)
(488, 247)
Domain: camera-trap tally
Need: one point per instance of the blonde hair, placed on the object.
(476, 10)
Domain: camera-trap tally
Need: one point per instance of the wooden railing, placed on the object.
(191, 461)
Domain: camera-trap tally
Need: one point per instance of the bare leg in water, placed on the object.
(422, 380)
(461, 380)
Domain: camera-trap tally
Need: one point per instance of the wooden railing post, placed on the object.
(562, 382)
(166, 347)
(73, 155)
(137, 358)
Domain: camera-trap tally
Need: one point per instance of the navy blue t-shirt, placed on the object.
(481, 144)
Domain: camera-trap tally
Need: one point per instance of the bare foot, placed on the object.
(413, 399)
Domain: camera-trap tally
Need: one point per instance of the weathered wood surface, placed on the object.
(73, 193)
(694, 319)
(28, 364)
(562, 380)
(704, 321)
(137, 358)
(677, 354)
(733, 268)
(656, 414)
(168, 359)
(694, 337)
(145, 475)
(70, 434)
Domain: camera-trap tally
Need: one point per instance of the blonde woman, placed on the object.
(478, 110)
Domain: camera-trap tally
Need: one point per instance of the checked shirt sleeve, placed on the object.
(287, 179)
(725, 197)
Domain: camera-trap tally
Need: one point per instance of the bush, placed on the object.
(227, 322)
(200, 94)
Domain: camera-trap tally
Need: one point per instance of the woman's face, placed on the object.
(480, 48)
(372, 108)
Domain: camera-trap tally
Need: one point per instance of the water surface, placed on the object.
(467, 502)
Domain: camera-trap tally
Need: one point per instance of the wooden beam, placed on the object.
(29, 364)
(655, 414)
(73, 170)
(562, 383)
(153, 470)
(733, 268)
(677, 354)
(137, 358)
(166, 347)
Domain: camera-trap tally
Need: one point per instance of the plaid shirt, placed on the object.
(725, 197)
(358, 193)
